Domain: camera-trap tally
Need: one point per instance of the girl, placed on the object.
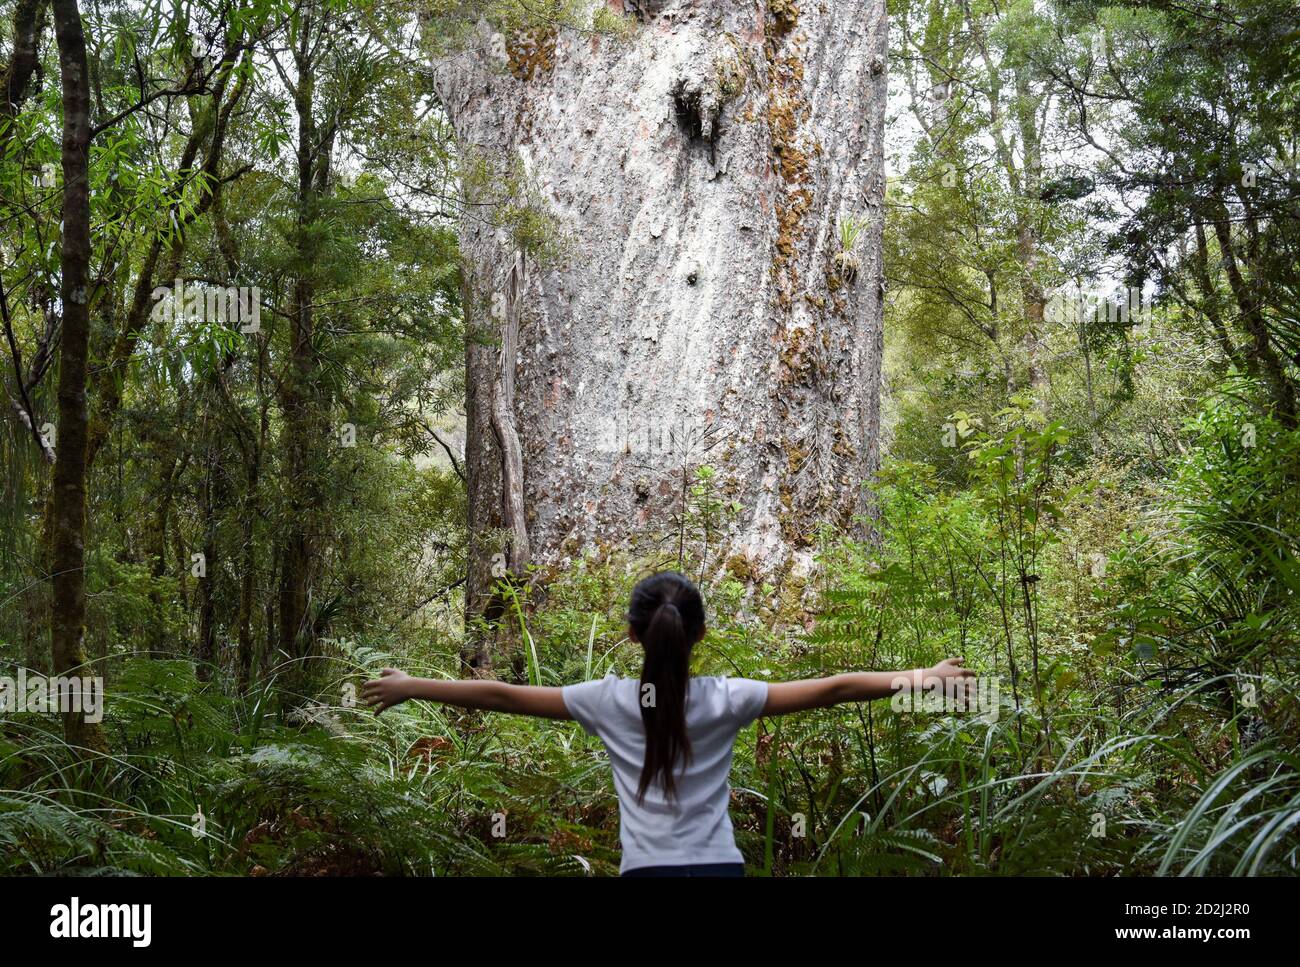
(669, 736)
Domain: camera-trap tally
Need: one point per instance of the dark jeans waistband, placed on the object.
(696, 869)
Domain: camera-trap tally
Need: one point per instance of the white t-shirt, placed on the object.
(694, 827)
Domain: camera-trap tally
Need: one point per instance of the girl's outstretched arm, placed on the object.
(393, 687)
(786, 697)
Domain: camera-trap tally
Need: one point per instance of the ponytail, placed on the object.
(667, 615)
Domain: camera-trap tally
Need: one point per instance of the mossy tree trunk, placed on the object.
(305, 437)
(68, 499)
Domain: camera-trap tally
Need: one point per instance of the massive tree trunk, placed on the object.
(698, 175)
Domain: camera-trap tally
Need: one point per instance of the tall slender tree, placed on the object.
(68, 502)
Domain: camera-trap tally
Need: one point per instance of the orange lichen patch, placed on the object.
(785, 14)
(794, 531)
(789, 218)
(783, 121)
(793, 346)
(790, 161)
(800, 359)
(531, 53)
(795, 458)
(842, 446)
(740, 567)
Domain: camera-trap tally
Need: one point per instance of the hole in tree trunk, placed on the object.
(644, 10)
(688, 114)
(690, 107)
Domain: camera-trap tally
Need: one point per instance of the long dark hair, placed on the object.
(667, 614)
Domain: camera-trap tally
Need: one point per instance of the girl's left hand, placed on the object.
(389, 689)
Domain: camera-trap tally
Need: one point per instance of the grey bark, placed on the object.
(697, 174)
